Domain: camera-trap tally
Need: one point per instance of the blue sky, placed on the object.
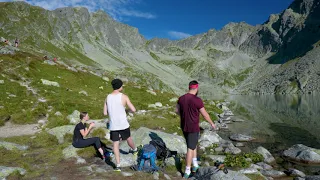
(176, 19)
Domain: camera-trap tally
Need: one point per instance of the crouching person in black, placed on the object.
(80, 131)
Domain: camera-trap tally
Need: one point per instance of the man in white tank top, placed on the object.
(115, 105)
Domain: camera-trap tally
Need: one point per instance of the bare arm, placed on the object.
(129, 104)
(105, 108)
(178, 109)
(206, 116)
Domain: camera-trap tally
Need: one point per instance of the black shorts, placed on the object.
(191, 139)
(123, 134)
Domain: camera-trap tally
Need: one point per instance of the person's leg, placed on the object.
(114, 136)
(126, 135)
(116, 152)
(194, 141)
(81, 143)
(131, 143)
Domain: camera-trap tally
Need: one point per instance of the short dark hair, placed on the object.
(116, 84)
(194, 82)
(83, 114)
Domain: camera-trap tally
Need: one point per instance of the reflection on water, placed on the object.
(280, 121)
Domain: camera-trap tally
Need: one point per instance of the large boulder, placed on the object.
(209, 173)
(49, 83)
(268, 158)
(144, 135)
(303, 154)
(74, 118)
(208, 138)
(11, 146)
(61, 131)
(241, 138)
(71, 152)
(126, 159)
(6, 171)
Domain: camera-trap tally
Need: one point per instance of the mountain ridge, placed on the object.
(224, 61)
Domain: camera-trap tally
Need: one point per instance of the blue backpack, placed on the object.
(149, 152)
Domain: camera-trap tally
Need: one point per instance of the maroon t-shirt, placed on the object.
(189, 112)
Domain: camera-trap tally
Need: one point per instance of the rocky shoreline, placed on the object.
(212, 148)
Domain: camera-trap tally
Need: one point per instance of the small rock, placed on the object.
(152, 106)
(126, 174)
(167, 176)
(12, 95)
(249, 171)
(174, 100)
(239, 144)
(152, 92)
(50, 83)
(83, 92)
(158, 104)
(212, 103)
(232, 150)
(42, 121)
(241, 138)
(156, 176)
(256, 166)
(273, 173)
(268, 158)
(58, 113)
(11, 146)
(1, 107)
(74, 118)
(218, 149)
(42, 100)
(1, 81)
(81, 161)
(101, 87)
(6, 171)
(105, 78)
(220, 158)
(264, 166)
(295, 172)
(248, 159)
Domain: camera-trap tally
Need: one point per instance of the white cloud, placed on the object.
(178, 35)
(118, 9)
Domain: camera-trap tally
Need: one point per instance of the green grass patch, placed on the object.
(239, 160)
(87, 152)
(100, 132)
(154, 56)
(44, 153)
(55, 121)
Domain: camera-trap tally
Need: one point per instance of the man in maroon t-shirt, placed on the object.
(189, 107)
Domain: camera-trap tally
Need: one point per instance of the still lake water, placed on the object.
(278, 121)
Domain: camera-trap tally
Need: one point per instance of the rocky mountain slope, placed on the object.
(278, 56)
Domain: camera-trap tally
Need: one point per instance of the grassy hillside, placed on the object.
(25, 108)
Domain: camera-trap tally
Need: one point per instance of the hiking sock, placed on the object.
(195, 162)
(188, 170)
(118, 166)
(135, 149)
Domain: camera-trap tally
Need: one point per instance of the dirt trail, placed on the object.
(10, 130)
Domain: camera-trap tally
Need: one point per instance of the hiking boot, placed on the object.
(117, 169)
(194, 169)
(134, 152)
(186, 176)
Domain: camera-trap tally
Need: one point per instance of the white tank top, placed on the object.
(117, 113)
